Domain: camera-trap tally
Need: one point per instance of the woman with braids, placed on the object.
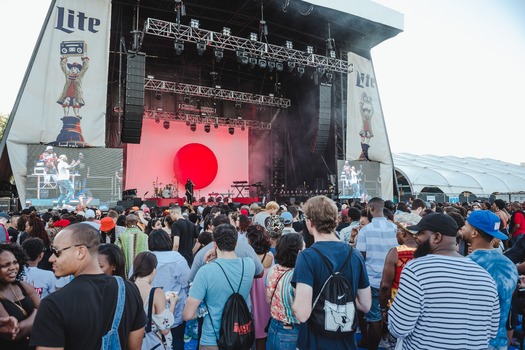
(283, 329)
(111, 260)
(35, 228)
(17, 298)
(144, 270)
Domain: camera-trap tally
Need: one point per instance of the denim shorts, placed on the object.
(374, 315)
(281, 338)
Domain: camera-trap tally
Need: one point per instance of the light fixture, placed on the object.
(271, 66)
(158, 95)
(226, 31)
(157, 120)
(207, 128)
(201, 47)
(242, 57)
(219, 54)
(179, 47)
(238, 105)
(291, 66)
(310, 49)
(187, 99)
(279, 66)
(320, 71)
(300, 71)
(166, 124)
(243, 126)
(332, 53)
(231, 130)
(329, 77)
(262, 63)
(187, 122)
(194, 23)
(253, 36)
(288, 44)
(193, 127)
(216, 124)
(253, 62)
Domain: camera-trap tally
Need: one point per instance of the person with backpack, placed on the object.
(91, 306)
(331, 283)
(224, 285)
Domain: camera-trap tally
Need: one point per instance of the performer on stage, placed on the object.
(49, 157)
(189, 191)
(64, 183)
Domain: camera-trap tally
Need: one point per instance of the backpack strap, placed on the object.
(120, 303)
(276, 284)
(327, 262)
(150, 308)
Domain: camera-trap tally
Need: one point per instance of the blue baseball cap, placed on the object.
(488, 222)
(287, 217)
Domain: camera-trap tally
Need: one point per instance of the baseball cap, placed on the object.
(244, 212)
(437, 222)
(90, 213)
(5, 216)
(287, 217)
(486, 221)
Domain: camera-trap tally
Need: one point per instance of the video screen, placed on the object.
(94, 174)
(359, 179)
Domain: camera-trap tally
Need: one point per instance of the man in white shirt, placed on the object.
(64, 183)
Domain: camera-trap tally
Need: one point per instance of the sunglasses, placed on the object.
(58, 252)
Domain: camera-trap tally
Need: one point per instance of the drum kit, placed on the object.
(168, 191)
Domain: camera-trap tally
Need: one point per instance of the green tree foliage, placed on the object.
(3, 124)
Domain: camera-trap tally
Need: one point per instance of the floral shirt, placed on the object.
(283, 294)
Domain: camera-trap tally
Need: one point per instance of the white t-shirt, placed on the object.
(43, 281)
(63, 170)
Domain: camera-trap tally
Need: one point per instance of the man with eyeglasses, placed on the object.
(442, 294)
(80, 314)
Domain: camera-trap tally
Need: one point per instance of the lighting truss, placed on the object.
(199, 119)
(253, 48)
(222, 94)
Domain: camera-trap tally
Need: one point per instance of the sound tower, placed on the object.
(134, 101)
(325, 117)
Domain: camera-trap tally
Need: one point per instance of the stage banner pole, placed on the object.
(62, 100)
(367, 138)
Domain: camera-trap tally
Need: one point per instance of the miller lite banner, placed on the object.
(62, 100)
(367, 139)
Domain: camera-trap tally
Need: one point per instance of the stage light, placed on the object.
(219, 54)
(320, 71)
(310, 49)
(300, 71)
(207, 128)
(188, 122)
(179, 47)
(157, 120)
(201, 47)
(253, 36)
(193, 127)
(242, 57)
(253, 62)
(332, 54)
(166, 124)
(288, 44)
(262, 63)
(238, 105)
(194, 23)
(231, 130)
(271, 66)
(158, 95)
(279, 66)
(226, 31)
(329, 77)
(291, 66)
(187, 99)
(243, 126)
(216, 124)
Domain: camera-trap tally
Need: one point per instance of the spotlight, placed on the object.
(288, 44)
(166, 124)
(253, 36)
(179, 47)
(279, 66)
(207, 128)
(329, 76)
(188, 122)
(332, 54)
(231, 130)
(193, 127)
(201, 47)
(238, 105)
(262, 63)
(157, 120)
(216, 124)
(300, 71)
(271, 66)
(291, 66)
(320, 71)
(187, 99)
(310, 49)
(253, 62)
(226, 31)
(219, 54)
(242, 57)
(243, 126)
(194, 23)
(158, 95)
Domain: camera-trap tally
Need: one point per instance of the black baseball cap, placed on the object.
(437, 222)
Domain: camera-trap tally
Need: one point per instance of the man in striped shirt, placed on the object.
(445, 301)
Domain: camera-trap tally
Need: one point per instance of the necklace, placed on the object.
(15, 301)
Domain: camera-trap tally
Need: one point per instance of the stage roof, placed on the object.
(454, 175)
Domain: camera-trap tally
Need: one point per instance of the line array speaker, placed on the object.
(134, 101)
(325, 118)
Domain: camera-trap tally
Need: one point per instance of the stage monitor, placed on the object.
(360, 180)
(94, 173)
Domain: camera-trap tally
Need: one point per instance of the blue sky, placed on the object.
(453, 83)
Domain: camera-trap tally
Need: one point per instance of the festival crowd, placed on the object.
(321, 274)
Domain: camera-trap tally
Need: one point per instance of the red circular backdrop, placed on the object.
(196, 162)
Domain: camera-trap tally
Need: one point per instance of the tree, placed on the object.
(3, 124)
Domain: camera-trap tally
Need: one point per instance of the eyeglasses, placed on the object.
(58, 252)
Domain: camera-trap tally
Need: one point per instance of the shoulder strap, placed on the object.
(276, 284)
(150, 309)
(327, 262)
(227, 279)
(120, 303)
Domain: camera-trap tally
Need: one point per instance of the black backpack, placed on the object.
(237, 330)
(334, 309)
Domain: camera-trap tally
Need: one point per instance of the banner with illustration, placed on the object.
(367, 139)
(62, 100)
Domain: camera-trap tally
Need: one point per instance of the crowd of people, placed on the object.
(413, 275)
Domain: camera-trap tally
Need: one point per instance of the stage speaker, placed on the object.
(134, 101)
(150, 204)
(5, 204)
(322, 133)
(125, 204)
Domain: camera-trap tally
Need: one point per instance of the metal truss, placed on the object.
(218, 93)
(253, 48)
(212, 121)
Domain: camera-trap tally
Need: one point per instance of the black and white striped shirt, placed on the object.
(444, 303)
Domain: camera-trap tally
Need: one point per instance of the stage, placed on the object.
(165, 202)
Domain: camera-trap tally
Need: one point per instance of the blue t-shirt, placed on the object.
(311, 270)
(505, 274)
(211, 286)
